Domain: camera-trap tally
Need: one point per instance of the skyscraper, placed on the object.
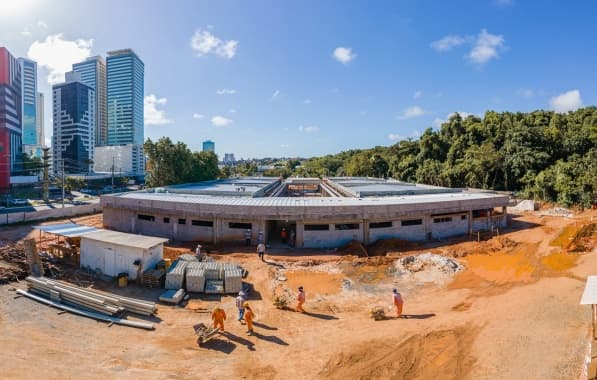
(73, 141)
(125, 97)
(93, 73)
(41, 134)
(29, 109)
(209, 146)
(10, 115)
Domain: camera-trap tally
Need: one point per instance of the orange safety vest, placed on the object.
(301, 296)
(218, 315)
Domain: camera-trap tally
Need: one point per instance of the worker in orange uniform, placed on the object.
(284, 235)
(398, 302)
(300, 298)
(218, 315)
(248, 317)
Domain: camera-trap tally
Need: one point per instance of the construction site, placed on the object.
(82, 298)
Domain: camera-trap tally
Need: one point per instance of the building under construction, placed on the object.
(314, 213)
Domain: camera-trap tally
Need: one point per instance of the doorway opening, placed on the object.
(280, 233)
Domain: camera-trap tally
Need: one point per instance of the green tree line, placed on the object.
(540, 154)
(171, 164)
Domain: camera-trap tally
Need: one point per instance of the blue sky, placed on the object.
(306, 78)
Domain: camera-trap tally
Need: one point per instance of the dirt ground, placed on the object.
(506, 308)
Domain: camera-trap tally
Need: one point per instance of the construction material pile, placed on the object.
(87, 298)
(205, 276)
(175, 275)
(14, 265)
(152, 278)
(195, 277)
(427, 267)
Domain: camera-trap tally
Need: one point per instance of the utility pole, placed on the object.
(62, 182)
(45, 182)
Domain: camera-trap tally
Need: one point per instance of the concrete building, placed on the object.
(126, 159)
(229, 159)
(125, 81)
(209, 146)
(41, 134)
(93, 74)
(10, 116)
(115, 252)
(74, 126)
(31, 143)
(319, 213)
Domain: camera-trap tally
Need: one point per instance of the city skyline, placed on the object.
(373, 77)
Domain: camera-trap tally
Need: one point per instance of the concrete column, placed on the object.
(427, 220)
(175, 227)
(300, 228)
(469, 216)
(365, 231)
(133, 220)
(216, 230)
(505, 212)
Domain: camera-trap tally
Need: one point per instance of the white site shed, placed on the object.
(114, 252)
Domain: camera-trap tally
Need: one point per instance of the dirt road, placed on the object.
(511, 313)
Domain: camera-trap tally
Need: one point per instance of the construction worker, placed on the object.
(198, 252)
(284, 235)
(398, 302)
(300, 298)
(248, 237)
(261, 251)
(249, 316)
(240, 305)
(218, 315)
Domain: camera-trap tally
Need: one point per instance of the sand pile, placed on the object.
(439, 354)
(427, 267)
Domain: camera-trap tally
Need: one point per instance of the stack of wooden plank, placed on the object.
(152, 278)
(175, 276)
(195, 277)
(86, 298)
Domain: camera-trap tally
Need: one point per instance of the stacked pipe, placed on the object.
(91, 299)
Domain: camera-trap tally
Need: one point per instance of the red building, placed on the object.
(10, 115)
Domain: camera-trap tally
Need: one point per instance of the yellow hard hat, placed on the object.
(246, 304)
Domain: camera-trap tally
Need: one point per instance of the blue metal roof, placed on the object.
(67, 229)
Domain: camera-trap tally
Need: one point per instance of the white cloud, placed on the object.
(232, 110)
(26, 32)
(568, 101)
(198, 116)
(57, 54)
(418, 94)
(525, 93)
(226, 91)
(411, 112)
(447, 43)
(221, 121)
(42, 25)
(151, 113)
(486, 47)
(203, 42)
(437, 122)
(308, 129)
(394, 137)
(344, 55)
(307, 101)
(275, 95)
(284, 145)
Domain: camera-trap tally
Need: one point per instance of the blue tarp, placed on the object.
(67, 229)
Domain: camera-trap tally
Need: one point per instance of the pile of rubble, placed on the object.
(427, 267)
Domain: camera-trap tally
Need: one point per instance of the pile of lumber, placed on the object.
(152, 278)
(14, 265)
(87, 298)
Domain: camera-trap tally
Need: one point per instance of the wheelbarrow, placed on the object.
(205, 333)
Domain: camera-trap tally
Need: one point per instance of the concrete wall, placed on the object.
(112, 259)
(67, 212)
(457, 226)
(331, 237)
